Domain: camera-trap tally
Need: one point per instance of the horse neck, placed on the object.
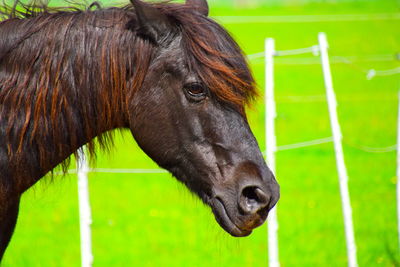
(63, 88)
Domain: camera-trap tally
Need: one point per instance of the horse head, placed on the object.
(188, 115)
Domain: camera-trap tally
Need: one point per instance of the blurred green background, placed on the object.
(152, 220)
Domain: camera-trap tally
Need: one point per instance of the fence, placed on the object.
(271, 148)
(321, 49)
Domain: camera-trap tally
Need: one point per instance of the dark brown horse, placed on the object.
(166, 71)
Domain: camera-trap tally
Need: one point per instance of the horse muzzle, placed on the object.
(239, 213)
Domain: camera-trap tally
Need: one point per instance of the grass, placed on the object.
(151, 220)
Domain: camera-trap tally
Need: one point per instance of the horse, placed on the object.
(176, 78)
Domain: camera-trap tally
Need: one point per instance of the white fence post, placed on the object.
(270, 140)
(340, 164)
(85, 218)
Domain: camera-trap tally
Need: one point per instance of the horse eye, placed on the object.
(196, 91)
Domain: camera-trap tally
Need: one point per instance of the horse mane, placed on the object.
(37, 88)
(50, 54)
(211, 50)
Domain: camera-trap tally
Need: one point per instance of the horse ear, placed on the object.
(200, 5)
(152, 23)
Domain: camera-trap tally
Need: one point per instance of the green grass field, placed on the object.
(152, 220)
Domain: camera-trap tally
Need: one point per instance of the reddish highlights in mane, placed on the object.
(210, 50)
(46, 60)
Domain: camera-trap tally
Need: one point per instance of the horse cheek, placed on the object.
(152, 131)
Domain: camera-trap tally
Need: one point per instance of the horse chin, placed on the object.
(225, 221)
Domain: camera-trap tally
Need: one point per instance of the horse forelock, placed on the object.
(214, 56)
(220, 64)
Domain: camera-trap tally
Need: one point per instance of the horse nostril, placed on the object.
(253, 199)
